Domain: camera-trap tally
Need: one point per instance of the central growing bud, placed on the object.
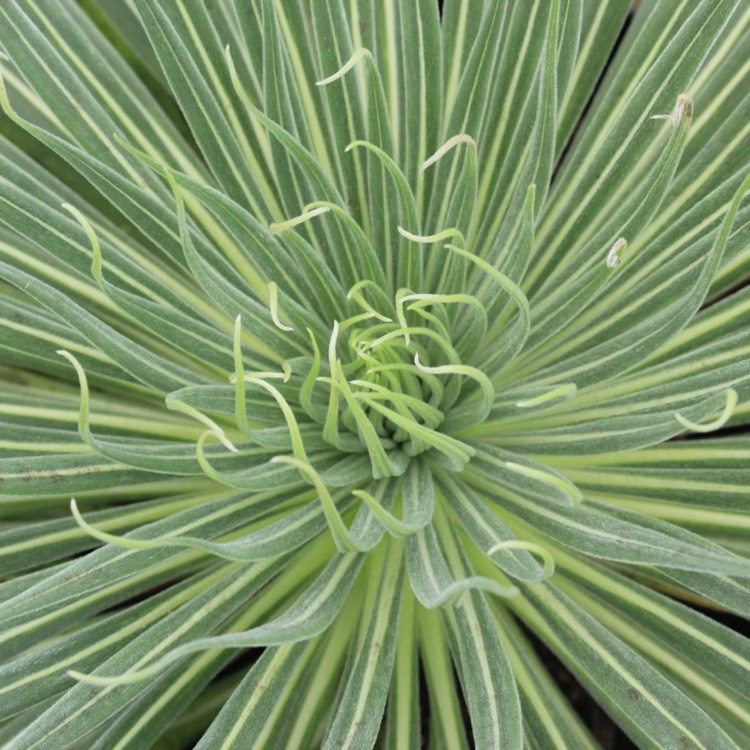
(382, 372)
(397, 386)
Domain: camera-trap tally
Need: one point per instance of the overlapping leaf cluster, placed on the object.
(359, 334)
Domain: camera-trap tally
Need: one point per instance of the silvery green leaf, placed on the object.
(349, 349)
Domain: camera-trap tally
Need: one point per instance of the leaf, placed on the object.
(402, 723)
(488, 532)
(609, 533)
(549, 719)
(199, 615)
(447, 725)
(707, 660)
(261, 689)
(600, 24)
(311, 614)
(46, 475)
(524, 253)
(149, 368)
(201, 104)
(667, 55)
(484, 670)
(683, 483)
(647, 705)
(47, 541)
(31, 678)
(357, 716)
(109, 575)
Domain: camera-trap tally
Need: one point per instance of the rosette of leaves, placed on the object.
(363, 334)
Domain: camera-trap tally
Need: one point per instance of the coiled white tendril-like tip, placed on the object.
(683, 108)
(613, 259)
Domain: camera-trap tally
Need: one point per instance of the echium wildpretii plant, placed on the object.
(362, 373)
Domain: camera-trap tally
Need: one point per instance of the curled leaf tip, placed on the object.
(451, 595)
(273, 304)
(447, 146)
(716, 424)
(101, 681)
(84, 524)
(76, 364)
(566, 391)
(298, 447)
(548, 561)
(175, 404)
(4, 100)
(572, 492)
(355, 293)
(81, 677)
(341, 536)
(358, 55)
(431, 239)
(682, 112)
(283, 226)
(103, 536)
(88, 228)
(83, 416)
(613, 257)
(395, 527)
